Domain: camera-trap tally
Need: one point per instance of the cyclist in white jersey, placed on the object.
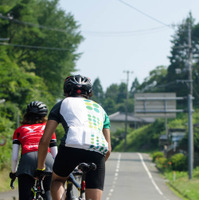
(86, 138)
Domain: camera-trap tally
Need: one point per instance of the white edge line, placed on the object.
(149, 174)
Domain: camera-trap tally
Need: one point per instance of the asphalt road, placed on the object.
(132, 176)
(129, 176)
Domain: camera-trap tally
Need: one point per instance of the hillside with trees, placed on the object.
(38, 49)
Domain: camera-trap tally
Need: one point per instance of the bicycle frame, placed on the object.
(38, 190)
(84, 167)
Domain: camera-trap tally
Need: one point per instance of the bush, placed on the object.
(179, 162)
(157, 155)
(161, 163)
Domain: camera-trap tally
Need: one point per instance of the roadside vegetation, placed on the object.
(175, 170)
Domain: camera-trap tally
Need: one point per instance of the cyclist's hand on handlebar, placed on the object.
(12, 175)
(39, 174)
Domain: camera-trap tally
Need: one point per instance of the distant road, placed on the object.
(129, 176)
(132, 176)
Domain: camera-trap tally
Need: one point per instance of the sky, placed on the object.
(126, 35)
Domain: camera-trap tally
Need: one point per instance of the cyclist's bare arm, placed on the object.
(107, 136)
(51, 125)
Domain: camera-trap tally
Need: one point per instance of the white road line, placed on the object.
(115, 177)
(149, 174)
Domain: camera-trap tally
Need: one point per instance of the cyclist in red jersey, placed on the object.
(28, 136)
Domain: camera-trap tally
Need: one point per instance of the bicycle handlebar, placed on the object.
(13, 180)
(47, 173)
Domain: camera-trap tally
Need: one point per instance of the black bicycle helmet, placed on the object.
(38, 108)
(77, 85)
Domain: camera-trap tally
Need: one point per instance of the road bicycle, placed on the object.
(37, 189)
(77, 179)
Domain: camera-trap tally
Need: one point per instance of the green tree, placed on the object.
(117, 94)
(122, 92)
(41, 33)
(98, 94)
(112, 92)
(134, 87)
(156, 81)
(178, 68)
(19, 86)
(109, 106)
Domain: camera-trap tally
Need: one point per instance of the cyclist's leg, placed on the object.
(47, 183)
(64, 164)
(94, 194)
(25, 183)
(95, 179)
(57, 187)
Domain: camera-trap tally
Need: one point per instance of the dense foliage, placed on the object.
(38, 44)
(42, 39)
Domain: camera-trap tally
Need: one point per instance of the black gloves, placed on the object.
(39, 173)
(12, 175)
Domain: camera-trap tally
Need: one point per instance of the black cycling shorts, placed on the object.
(68, 158)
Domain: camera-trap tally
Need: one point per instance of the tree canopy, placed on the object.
(40, 32)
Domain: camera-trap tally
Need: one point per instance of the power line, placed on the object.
(123, 33)
(93, 33)
(33, 47)
(31, 24)
(146, 15)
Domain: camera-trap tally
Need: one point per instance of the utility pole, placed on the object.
(190, 105)
(126, 109)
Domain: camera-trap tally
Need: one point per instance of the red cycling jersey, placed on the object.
(28, 136)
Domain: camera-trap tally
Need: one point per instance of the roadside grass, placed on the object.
(180, 182)
(174, 170)
(5, 180)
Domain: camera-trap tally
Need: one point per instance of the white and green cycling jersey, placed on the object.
(83, 121)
